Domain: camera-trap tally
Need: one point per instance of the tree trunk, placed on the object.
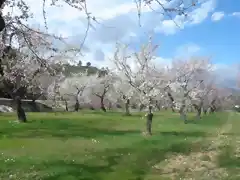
(149, 120)
(212, 106)
(127, 111)
(77, 105)
(205, 111)
(158, 105)
(172, 101)
(66, 105)
(191, 109)
(199, 111)
(109, 106)
(141, 107)
(2, 23)
(182, 112)
(102, 105)
(20, 111)
(212, 109)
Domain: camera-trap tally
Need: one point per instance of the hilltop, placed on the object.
(77, 69)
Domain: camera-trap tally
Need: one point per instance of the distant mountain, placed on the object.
(226, 76)
(229, 84)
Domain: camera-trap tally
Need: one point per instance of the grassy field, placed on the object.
(98, 146)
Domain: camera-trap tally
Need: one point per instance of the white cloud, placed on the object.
(200, 14)
(117, 14)
(194, 17)
(236, 14)
(217, 16)
(117, 19)
(170, 27)
(187, 50)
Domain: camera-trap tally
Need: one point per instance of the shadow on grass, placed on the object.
(68, 132)
(66, 129)
(123, 163)
(185, 134)
(86, 132)
(70, 170)
(231, 133)
(209, 120)
(62, 129)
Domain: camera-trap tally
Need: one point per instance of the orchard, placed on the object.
(134, 118)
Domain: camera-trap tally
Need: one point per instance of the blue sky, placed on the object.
(219, 39)
(201, 33)
(210, 29)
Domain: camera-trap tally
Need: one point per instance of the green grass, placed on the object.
(230, 154)
(92, 145)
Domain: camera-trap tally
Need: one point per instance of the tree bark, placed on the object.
(102, 104)
(199, 111)
(127, 103)
(204, 111)
(141, 107)
(158, 106)
(212, 106)
(172, 101)
(66, 105)
(2, 23)
(20, 111)
(149, 120)
(183, 112)
(1, 3)
(77, 106)
(109, 106)
(212, 109)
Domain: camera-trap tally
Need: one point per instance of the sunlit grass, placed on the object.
(93, 145)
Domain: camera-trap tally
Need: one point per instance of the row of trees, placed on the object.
(136, 79)
(186, 83)
(32, 65)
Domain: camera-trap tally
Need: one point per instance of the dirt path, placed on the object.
(231, 152)
(200, 165)
(236, 144)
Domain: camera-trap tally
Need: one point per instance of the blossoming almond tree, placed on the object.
(122, 91)
(221, 99)
(53, 91)
(188, 76)
(25, 53)
(22, 75)
(58, 92)
(72, 88)
(144, 77)
(37, 88)
(201, 95)
(101, 86)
